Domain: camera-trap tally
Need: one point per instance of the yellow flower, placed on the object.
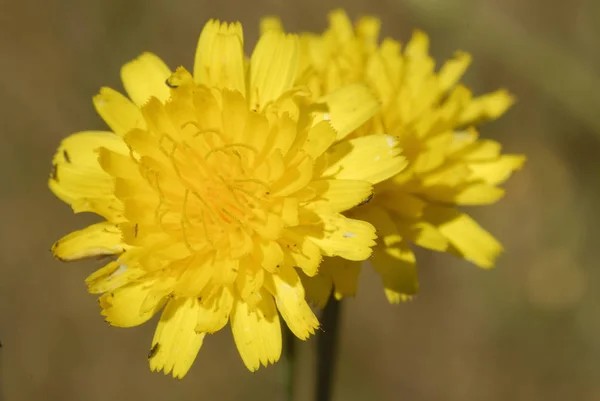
(433, 118)
(213, 187)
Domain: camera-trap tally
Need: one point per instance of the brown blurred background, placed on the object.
(528, 330)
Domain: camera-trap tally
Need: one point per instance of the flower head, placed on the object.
(433, 118)
(214, 187)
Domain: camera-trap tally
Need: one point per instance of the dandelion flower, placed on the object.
(433, 118)
(213, 187)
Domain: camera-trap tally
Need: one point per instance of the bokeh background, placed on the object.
(527, 330)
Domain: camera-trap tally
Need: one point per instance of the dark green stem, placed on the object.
(326, 350)
(289, 362)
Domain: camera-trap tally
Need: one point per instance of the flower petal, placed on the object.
(338, 195)
(317, 289)
(348, 108)
(95, 240)
(146, 77)
(219, 59)
(117, 164)
(289, 297)
(344, 274)
(468, 240)
(319, 139)
(397, 266)
(497, 171)
(301, 252)
(273, 68)
(270, 255)
(472, 193)
(120, 113)
(123, 306)
(176, 342)
(295, 178)
(392, 258)
(405, 205)
(112, 276)
(487, 107)
(76, 171)
(372, 158)
(214, 311)
(197, 274)
(257, 332)
(423, 234)
(453, 70)
(340, 236)
(270, 23)
(249, 281)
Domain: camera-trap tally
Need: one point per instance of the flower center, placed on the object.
(218, 193)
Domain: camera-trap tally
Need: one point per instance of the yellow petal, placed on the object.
(243, 242)
(468, 240)
(444, 178)
(481, 150)
(214, 311)
(112, 210)
(405, 205)
(122, 307)
(112, 276)
(397, 266)
(270, 23)
(367, 29)
(301, 252)
(225, 271)
(176, 342)
(197, 273)
(161, 290)
(338, 195)
(118, 164)
(418, 45)
(95, 240)
(340, 236)
(257, 332)
(249, 281)
(145, 77)
(434, 155)
(497, 171)
(220, 56)
(392, 258)
(345, 276)
(473, 194)
(487, 107)
(372, 158)
(284, 136)
(273, 68)
(341, 25)
(423, 234)
(319, 139)
(317, 289)
(295, 178)
(380, 77)
(289, 297)
(118, 112)
(76, 172)
(271, 255)
(453, 70)
(348, 108)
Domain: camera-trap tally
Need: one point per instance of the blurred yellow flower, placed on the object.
(433, 117)
(214, 186)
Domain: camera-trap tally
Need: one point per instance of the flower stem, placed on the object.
(326, 350)
(289, 361)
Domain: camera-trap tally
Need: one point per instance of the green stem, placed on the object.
(289, 361)
(326, 350)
